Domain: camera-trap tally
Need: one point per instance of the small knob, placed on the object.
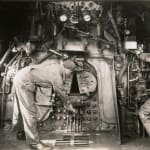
(53, 117)
(89, 112)
(64, 117)
(94, 105)
(58, 110)
(64, 110)
(88, 104)
(58, 117)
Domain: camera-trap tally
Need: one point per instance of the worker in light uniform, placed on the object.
(144, 112)
(47, 69)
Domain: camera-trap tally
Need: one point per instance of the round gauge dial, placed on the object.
(87, 18)
(63, 18)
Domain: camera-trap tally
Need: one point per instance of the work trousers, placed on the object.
(50, 71)
(144, 114)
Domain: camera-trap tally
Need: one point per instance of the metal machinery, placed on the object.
(110, 84)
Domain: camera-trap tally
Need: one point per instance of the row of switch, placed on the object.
(81, 111)
(91, 112)
(94, 105)
(65, 118)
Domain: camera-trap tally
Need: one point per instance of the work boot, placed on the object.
(21, 135)
(40, 146)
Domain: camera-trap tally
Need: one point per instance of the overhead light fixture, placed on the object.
(63, 18)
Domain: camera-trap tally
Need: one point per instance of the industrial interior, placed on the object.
(107, 88)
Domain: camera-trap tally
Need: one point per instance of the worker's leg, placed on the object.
(144, 114)
(24, 84)
(25, 101)
(17, 123)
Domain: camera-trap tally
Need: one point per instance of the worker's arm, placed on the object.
(144, 57)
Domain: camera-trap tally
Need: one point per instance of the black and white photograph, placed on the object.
(74, 74)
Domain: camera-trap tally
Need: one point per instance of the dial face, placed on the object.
(63, 18)
(87, 17)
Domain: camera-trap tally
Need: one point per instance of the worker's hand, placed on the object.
(69, 64)
(138, 52)
(70, 108)
(65, 56)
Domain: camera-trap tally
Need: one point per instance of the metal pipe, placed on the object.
(5, 56)
(122, 70)
(114, 25)
(73, 142)
(65, 56)
(4, 92)
(128, 83)
(116, 30)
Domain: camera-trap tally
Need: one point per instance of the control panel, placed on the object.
(81, 87)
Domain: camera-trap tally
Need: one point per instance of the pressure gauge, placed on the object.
(87, 18)
(63, 18)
